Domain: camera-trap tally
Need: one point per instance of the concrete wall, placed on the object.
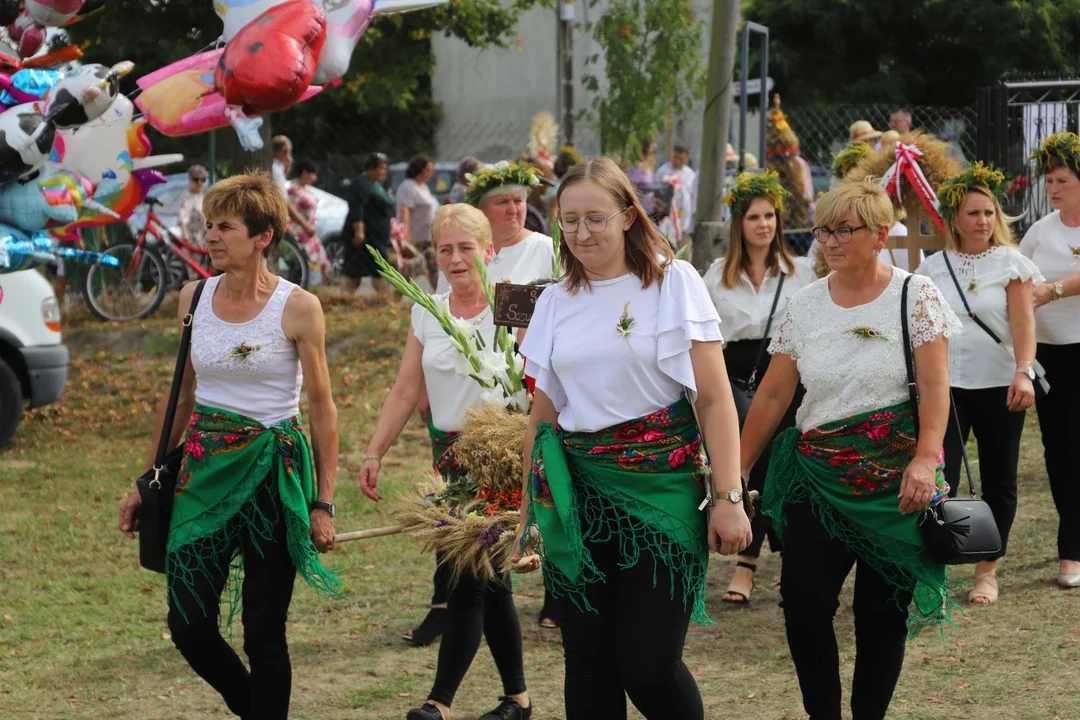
(490, 96)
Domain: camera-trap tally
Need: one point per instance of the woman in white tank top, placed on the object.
(248, 484)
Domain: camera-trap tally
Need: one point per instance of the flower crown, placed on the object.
(952, 193)
(495, 176)
(1063, 147)
(849, 157)
(752, 185)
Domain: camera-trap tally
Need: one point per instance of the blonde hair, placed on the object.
(1001, 234)
(867, 201)
(737, 259)
(463, 217)
(254, 198)
(648, 252)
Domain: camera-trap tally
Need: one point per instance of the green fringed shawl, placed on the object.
(227, 458)
(638, 484)
(442, 452)
(849, 471)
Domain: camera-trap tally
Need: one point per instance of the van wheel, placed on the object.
(11, 403)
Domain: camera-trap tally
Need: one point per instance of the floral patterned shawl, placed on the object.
(639, 482)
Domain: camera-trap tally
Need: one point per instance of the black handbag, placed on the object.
(955, 531)
(743, 390)
(1041, 385)
(157, 485)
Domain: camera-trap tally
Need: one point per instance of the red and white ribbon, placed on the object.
(907, 166)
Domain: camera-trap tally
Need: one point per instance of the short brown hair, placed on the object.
(643, 241)
(253, 197)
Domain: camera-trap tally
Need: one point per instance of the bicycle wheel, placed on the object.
(131, 291)
(290, 262)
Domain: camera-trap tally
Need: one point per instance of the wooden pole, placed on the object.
(371, 533)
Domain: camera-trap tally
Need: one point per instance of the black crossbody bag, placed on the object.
(158, 484)
(956, 531)
(1042, 386)
(743, 390)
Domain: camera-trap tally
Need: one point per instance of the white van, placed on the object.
(33, 360)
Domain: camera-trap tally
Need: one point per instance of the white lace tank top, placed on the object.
(248, 368)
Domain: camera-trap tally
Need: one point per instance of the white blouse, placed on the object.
(975, 360)
(744, 311)
(597, 375)
(1055, 249)
(844, 372)
(449, 392)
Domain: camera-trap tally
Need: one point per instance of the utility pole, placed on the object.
(565, 68)
(719, 90)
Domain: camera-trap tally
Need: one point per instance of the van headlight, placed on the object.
(50, 313)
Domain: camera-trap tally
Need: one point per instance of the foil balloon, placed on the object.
(23, 251)
(84, 94)
(28, 33)
(53, 13)
(115, 153)
(180, 99)
(27, 85)
(55, 198)
(268, 66)
(235, 14)
(26, 138)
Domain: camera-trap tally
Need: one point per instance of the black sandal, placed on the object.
(429, 630)
(743, 599)
(551, 613)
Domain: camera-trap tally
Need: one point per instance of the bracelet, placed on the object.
(376, 458)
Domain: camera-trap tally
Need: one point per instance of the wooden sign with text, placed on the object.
(514, 304)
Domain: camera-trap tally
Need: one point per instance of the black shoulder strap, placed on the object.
(913, 391)
(768, 326)
(963, 299)
(178, 379)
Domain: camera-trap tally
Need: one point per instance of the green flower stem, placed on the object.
(556, 238)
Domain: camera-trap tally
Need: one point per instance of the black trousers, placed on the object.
(997, 431)
(479, 608)
(632, 645)
(739, 357)
(814, 570)
(1059, 420)
(264, 690)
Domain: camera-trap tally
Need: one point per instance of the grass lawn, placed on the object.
(82, 628)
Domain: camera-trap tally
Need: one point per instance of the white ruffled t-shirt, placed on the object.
(845, 373)
(744, 311)
(449, 393)
(598, 376)
(975, 360)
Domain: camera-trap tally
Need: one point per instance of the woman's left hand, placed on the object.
(918, 486)
(1042, 294)
(1021, 393)
(322, 530)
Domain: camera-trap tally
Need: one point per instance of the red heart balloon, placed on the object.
(269, 64)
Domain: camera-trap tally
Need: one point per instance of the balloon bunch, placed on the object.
(27, 21)
(71, 156)
(272, 55)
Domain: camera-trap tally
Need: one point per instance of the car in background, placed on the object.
(33, 358)
(441, 181)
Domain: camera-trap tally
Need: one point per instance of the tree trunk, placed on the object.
(709, 234)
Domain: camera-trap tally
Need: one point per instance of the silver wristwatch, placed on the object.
(1029, 371)
(1059, 291)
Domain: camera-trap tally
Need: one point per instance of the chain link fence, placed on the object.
(824, 130)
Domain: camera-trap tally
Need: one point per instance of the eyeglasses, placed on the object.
(593, 223)
(198, 179)
(843, 235)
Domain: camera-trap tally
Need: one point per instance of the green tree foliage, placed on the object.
(383, 103)
(932, 52)
(652, 59)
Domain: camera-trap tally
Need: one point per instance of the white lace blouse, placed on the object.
(844, 371)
